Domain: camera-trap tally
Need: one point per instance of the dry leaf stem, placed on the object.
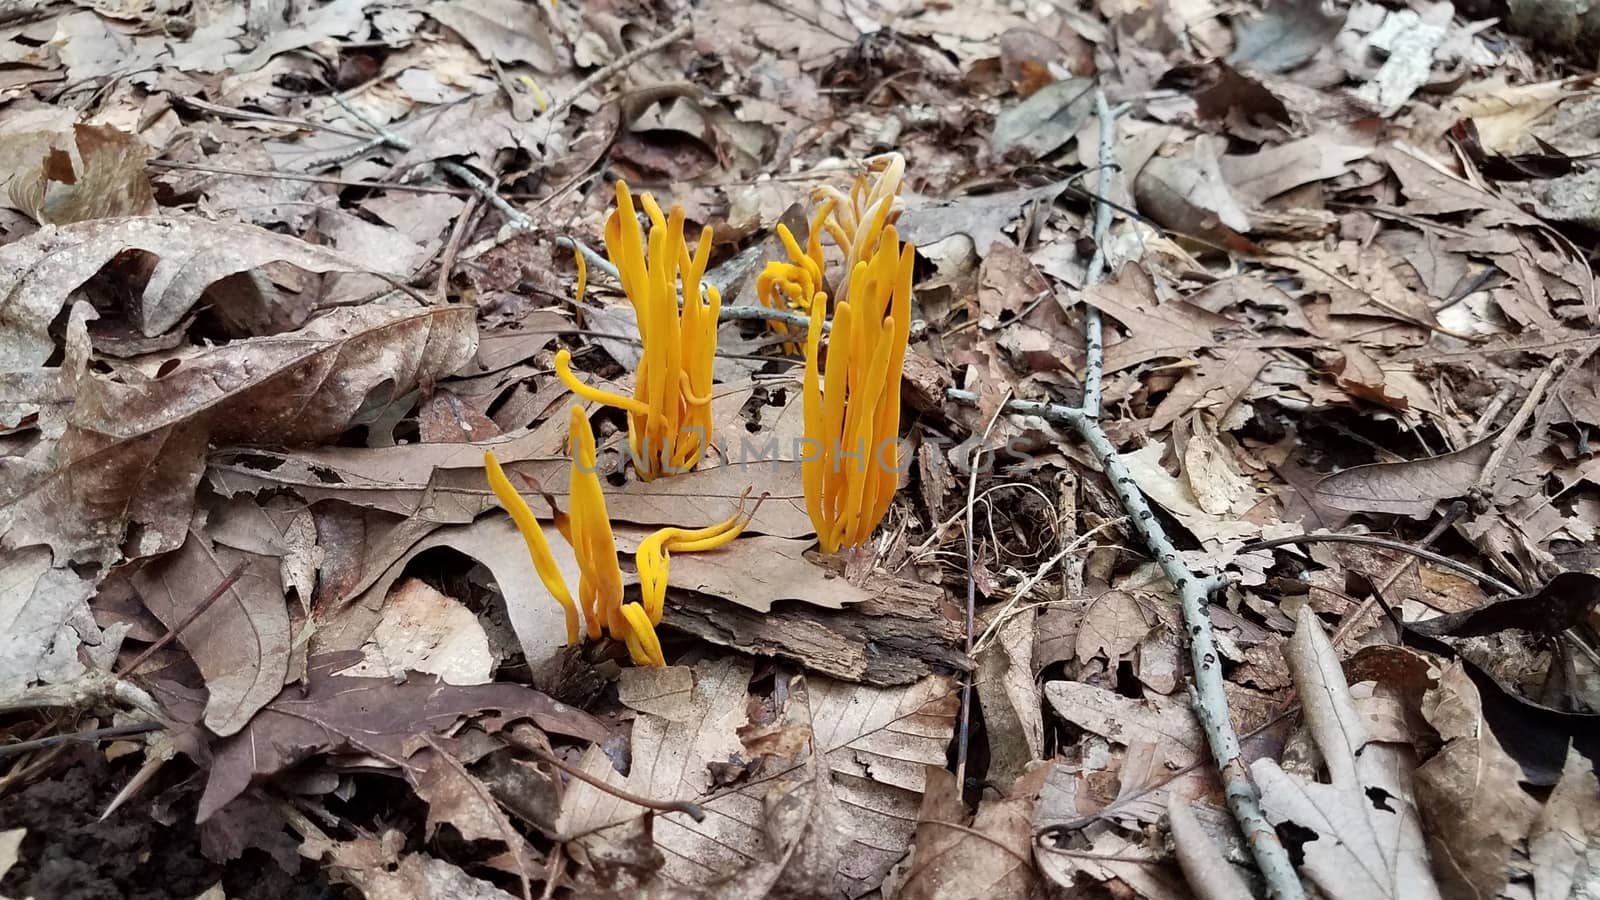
(188, 619)
(1194, 591)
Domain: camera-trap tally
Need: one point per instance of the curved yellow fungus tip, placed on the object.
(655, 553)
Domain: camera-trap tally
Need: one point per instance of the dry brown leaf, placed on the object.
(1009, 696)
(38, 273)
(101, 479)
(87, 172)
(982, 217)
(1287, 34)
(1044, 121)
(1362, 835)
(376, 716)
(444, 483)
(241, 644)
(1187, 193)
(1258, 177)
(1564, 845)
(1156, 328)
(1470, 792)
(535, 616)
(1409, 488)
(505, 31)
(874, 744)
(1164, 723)
(1113, 625)
(992, 858)
(422, 630)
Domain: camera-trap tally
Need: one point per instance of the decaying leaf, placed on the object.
(88, 172)
(1409, 488)
(241, 643)
(872, 743)
(1470, 793)
(377, 716)
(422, 630)
(991, 858)
(43, 616)
(1287, 34)
(101, 480)
(1360, 832)
(39, 273)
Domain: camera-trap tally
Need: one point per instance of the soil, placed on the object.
(69, 855)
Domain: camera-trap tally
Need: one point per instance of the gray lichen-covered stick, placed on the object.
(1194, 591)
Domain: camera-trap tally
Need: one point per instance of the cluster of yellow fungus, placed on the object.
(587, 528)
(852, 410)
(669, 414)
(851, 403)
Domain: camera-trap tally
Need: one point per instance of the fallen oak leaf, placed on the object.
(87, 172)
(1360, 832)
(377, 716)
(1469, 792)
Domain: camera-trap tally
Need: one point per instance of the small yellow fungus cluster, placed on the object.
(587, 528)
(669, 414)
(852, 410)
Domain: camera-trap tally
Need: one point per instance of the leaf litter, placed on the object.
(273, 279)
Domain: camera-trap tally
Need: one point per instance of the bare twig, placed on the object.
(448, 261)
(1352, 621)
(683, 806)
(1094, 354)
(186, 621)
(81, 737)
(617, 65)
(964, 726)
(1194, 595)
(1508, 438)
(316, 179)
(1443, 562)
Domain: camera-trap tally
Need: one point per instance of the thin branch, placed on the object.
(1440, 560)
(1508, 437)
(617, 65)
(82, 737)
(315, 179)
(683, 806)
(1194, 594)
(186, 621)
(1094, 354)
(964, 727)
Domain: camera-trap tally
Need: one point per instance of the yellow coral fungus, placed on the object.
(669, 414)
(858, 221)
(852, 411)
(796, 284)
(587, 528)
(655, 553)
